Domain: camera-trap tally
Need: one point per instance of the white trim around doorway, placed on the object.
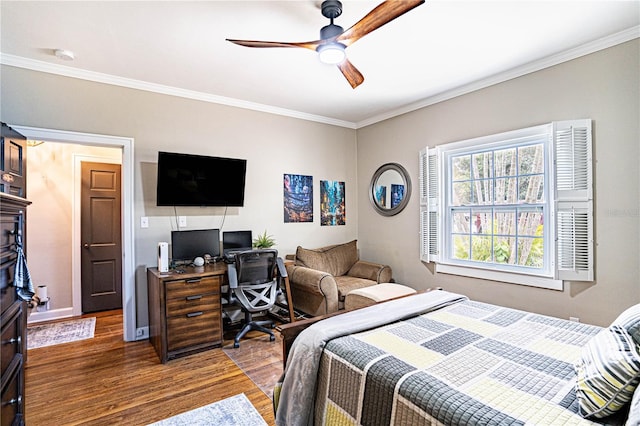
(128, 253)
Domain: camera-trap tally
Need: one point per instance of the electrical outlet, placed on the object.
(142, 333)
(574, 319)
(144, 222)
(182, 220)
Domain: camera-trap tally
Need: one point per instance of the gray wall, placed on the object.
(604, 86)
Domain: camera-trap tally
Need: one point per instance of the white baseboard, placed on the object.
(53, 314)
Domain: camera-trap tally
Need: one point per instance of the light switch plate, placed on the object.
(144, 222)
(182, 220)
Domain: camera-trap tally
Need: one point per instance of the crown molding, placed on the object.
(66, 71)
(549, 61)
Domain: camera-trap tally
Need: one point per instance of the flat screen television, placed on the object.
(198, 180)
(187, 245)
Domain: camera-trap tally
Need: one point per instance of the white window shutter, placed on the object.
(429, 229)
(574, 200)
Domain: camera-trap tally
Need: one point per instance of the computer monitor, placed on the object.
(235, 240)
(187, 245)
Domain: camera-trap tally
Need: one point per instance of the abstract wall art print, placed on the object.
(397, 194)
(298, 198)
(332, 205)
(381, 195)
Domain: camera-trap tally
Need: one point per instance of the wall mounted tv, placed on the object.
(198, 180)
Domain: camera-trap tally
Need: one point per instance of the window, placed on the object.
(513, 207)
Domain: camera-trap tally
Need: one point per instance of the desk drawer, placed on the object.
(200, 327)
(193, 303)
(182, 288)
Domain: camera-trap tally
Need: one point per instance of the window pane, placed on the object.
(530, 222)
(506, 190)
(481, 222)
(460, 222)
(461, 168)
(531, 159)
(503, 250)
(531, 252)
(505, 222)
(505, 162)
(482, 192)
(461, 247)
(481, 248)
(483, 165)
(531, 189)
(461, 194)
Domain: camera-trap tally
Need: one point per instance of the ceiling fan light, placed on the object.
(332, 53)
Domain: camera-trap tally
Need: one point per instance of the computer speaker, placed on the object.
(163, 257)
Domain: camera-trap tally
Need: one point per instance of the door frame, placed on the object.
(128, 251)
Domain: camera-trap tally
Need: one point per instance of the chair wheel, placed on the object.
(236, 344)
(272, 338)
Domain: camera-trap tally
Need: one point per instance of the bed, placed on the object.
(438, 358)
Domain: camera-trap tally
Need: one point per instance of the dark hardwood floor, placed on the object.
(106, 381)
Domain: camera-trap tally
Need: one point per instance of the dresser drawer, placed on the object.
(12, 398)
(8, 294)
(196, 328)
(193, 303)
(11, 338)
(180, 289)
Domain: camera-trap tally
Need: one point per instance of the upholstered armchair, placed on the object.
(321, 278)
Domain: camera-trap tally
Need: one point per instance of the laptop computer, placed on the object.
(234, 242)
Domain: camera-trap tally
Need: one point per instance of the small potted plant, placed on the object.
(263, 241)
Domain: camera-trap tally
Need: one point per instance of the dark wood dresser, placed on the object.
(185, 313)
(13, 355)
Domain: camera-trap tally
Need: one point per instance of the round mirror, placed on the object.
(390, 189)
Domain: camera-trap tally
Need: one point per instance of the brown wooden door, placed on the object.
(101, 237)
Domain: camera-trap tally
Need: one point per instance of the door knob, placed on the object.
(85, 245)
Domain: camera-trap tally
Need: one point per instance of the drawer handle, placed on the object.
(15, 401)
(194, 281)
(13, 340)
(196, 297)
(194, 314)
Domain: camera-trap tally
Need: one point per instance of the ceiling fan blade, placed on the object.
(380, 15)
(351, 73)
(254, 43)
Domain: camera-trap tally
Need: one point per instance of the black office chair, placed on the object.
(256, 290)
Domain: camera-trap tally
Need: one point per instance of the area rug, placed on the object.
(41, 335)
(234, 411)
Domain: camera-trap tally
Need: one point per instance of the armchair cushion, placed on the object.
(335, 260)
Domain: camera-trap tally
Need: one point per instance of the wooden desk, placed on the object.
(185, 313)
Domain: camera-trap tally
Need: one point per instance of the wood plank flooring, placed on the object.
(106, 381)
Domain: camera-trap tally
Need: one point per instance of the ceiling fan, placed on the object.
(334, 40)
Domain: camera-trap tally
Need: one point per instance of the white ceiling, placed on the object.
(434, 52)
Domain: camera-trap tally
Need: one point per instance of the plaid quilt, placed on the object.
(469, 363)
